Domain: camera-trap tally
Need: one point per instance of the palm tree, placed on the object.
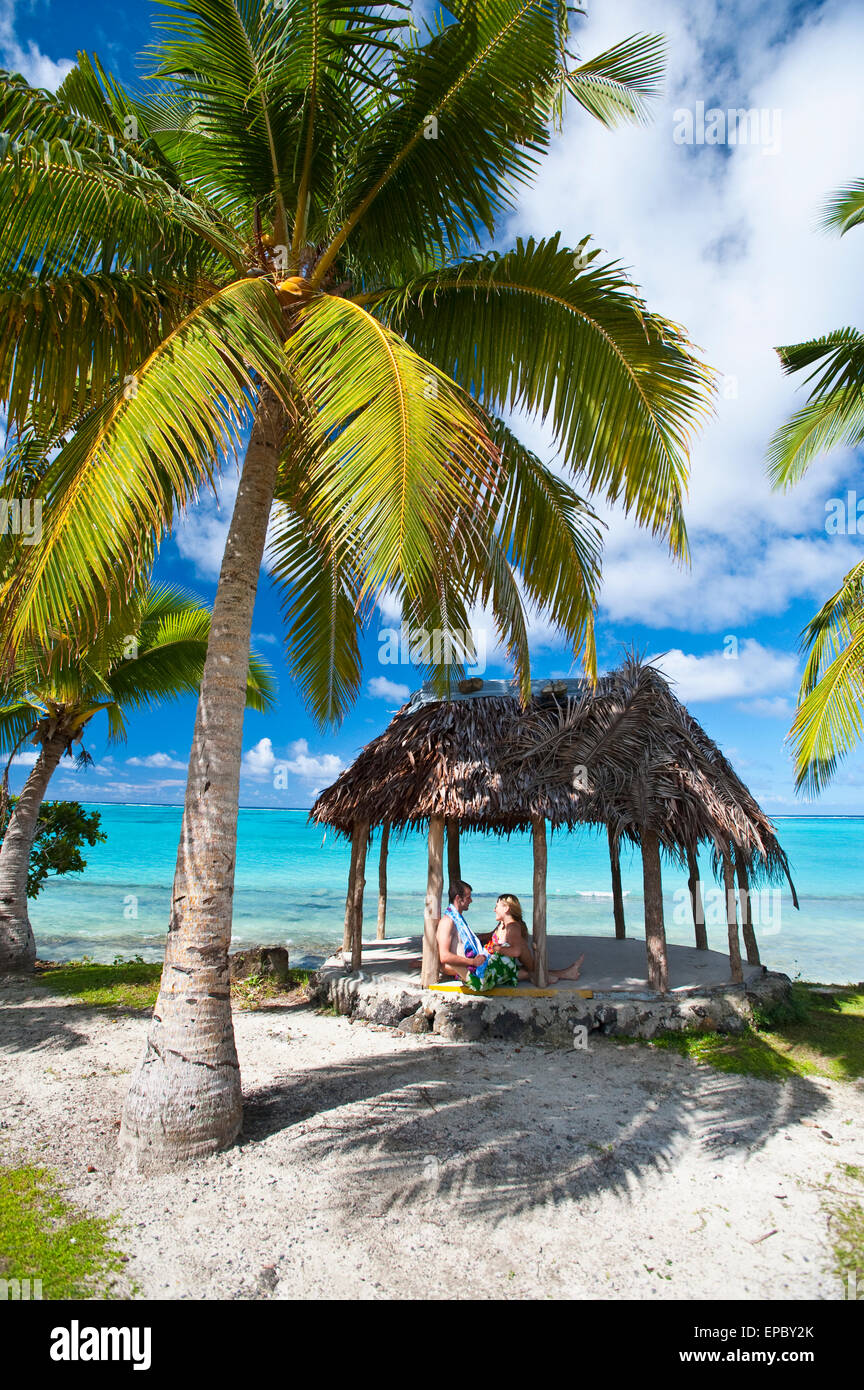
(152, 653)
(828, 720)
(277, 238)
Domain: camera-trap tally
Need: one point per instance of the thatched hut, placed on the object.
(624, 754)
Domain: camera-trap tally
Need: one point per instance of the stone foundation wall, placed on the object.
(546, 1021)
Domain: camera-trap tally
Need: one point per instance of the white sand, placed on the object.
(377, 1165)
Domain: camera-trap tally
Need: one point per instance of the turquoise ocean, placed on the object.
(292, 878)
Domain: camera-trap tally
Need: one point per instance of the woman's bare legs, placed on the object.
(526, 963)
(571, 973)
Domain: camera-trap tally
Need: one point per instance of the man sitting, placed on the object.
(459, 950)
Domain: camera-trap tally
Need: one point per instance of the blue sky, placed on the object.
(720, 238)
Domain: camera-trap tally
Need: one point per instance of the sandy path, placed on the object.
(380, 1165)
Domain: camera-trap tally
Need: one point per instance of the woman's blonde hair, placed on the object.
(515, 909)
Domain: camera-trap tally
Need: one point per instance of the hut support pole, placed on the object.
(349, 900)
(382, 883)
(732, 920)
(655, 930)
(541, 968)
(698, 906)
(454, 868)
(362, 832)
(746, 911)
(432, 914)
(617, 895)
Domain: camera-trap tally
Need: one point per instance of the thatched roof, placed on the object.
(625, 754)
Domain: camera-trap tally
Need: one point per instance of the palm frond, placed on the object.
(137, 459)
(543, 330)
(65, 340)
(618, 85)
(417, 186)
(834, 414)
(320, 606)
(844, 209)
(393, 444)
(828, 720)
(553, 539)
(18, 718)
(80, 198)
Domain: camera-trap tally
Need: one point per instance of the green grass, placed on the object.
(257, 991)
(43, 1237)
(129, 984)
(808, 1036)
(843, 1204)
(134, 984)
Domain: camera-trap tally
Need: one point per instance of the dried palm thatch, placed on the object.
(624, 754)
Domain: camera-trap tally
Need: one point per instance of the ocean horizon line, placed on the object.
(178, 806)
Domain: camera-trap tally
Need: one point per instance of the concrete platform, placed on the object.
(701, 995)
(609, 966)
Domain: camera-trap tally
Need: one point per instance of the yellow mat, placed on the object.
(511, 991)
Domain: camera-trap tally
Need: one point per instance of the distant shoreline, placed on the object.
(178, 806)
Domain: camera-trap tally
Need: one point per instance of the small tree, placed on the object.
(152, 650)
(62, 828)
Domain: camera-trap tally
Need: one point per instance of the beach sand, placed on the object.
(380, 1165)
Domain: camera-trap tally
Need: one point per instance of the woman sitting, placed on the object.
(510, 938)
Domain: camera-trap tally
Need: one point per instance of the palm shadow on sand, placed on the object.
(466, 1129)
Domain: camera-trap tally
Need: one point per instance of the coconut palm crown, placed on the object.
(291, 236)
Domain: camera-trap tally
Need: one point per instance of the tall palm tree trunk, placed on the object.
(17, 943)
(185, 1099)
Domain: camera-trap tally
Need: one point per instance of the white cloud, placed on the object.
(261, 762)
(390, 607)
(380, 688)
(33, 65)
(774, 708)
(723, 241)
(732, 581)
(756, 670)
(310, 768)
(269, 637)
(29, 758)
(140, 792)
(202, 531)
(157, 760)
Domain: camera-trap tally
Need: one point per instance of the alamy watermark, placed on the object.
(20, 1290)
(405, 645)
(21, 516)
(77, 1343)
(845, 515)
(765, 908)
(737, 126)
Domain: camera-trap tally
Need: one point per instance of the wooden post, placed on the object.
(541, 968)
(454, 868)
(349, 900)
(432, 913)
(382, 883)
(696, 903)
(617, 895)
(746, 910)
(362, 831)
(655, 930)
(732, 920)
